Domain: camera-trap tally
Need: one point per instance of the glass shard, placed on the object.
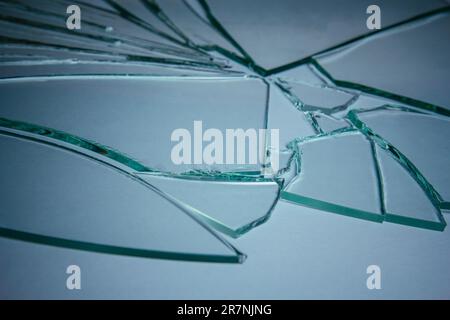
(270, 35)
(223, 204)
(400, 66)
(430, 149)
(123, 217)
(405, 202)
(135, 120)
(337, 174)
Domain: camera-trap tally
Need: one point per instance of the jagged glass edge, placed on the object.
(138, 168)
(309, 60)
(238, 257)
(373, 138)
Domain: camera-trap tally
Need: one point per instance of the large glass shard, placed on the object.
(77, 203)
(139, 119)
(223, 204)
(405, 202)
(279, 33)
(422, 138)
(401, 66)
(337, 174)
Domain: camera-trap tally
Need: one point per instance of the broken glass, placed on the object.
(350, 175)
(318, 97)
(360, 134)
(285, 115)
(135, 120)
(337, 173)
(222, 204)
(322, 25)
(418, 70)
(47, 205)
(431, 147)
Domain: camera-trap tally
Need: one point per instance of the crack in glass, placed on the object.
(112, 92)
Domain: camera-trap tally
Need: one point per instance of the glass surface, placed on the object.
(64, 199)
(399, 64)
(86, 119)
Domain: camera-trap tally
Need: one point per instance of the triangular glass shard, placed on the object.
(279, 33)
(223, 204)
(405, 201)
(77, 203)
(401, 66)
(422, 138)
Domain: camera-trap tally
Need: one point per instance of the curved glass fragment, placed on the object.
(223, 204)
(65, 200)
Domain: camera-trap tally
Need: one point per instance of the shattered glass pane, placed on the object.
(271, 37)
(337, 173)
(136, 121)
(88, 117)
(58, 184)
(399, 64)
(431, 147)
(286, 115)
(318, 98)
(405, 202)
(223, 204)
(195, 27)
